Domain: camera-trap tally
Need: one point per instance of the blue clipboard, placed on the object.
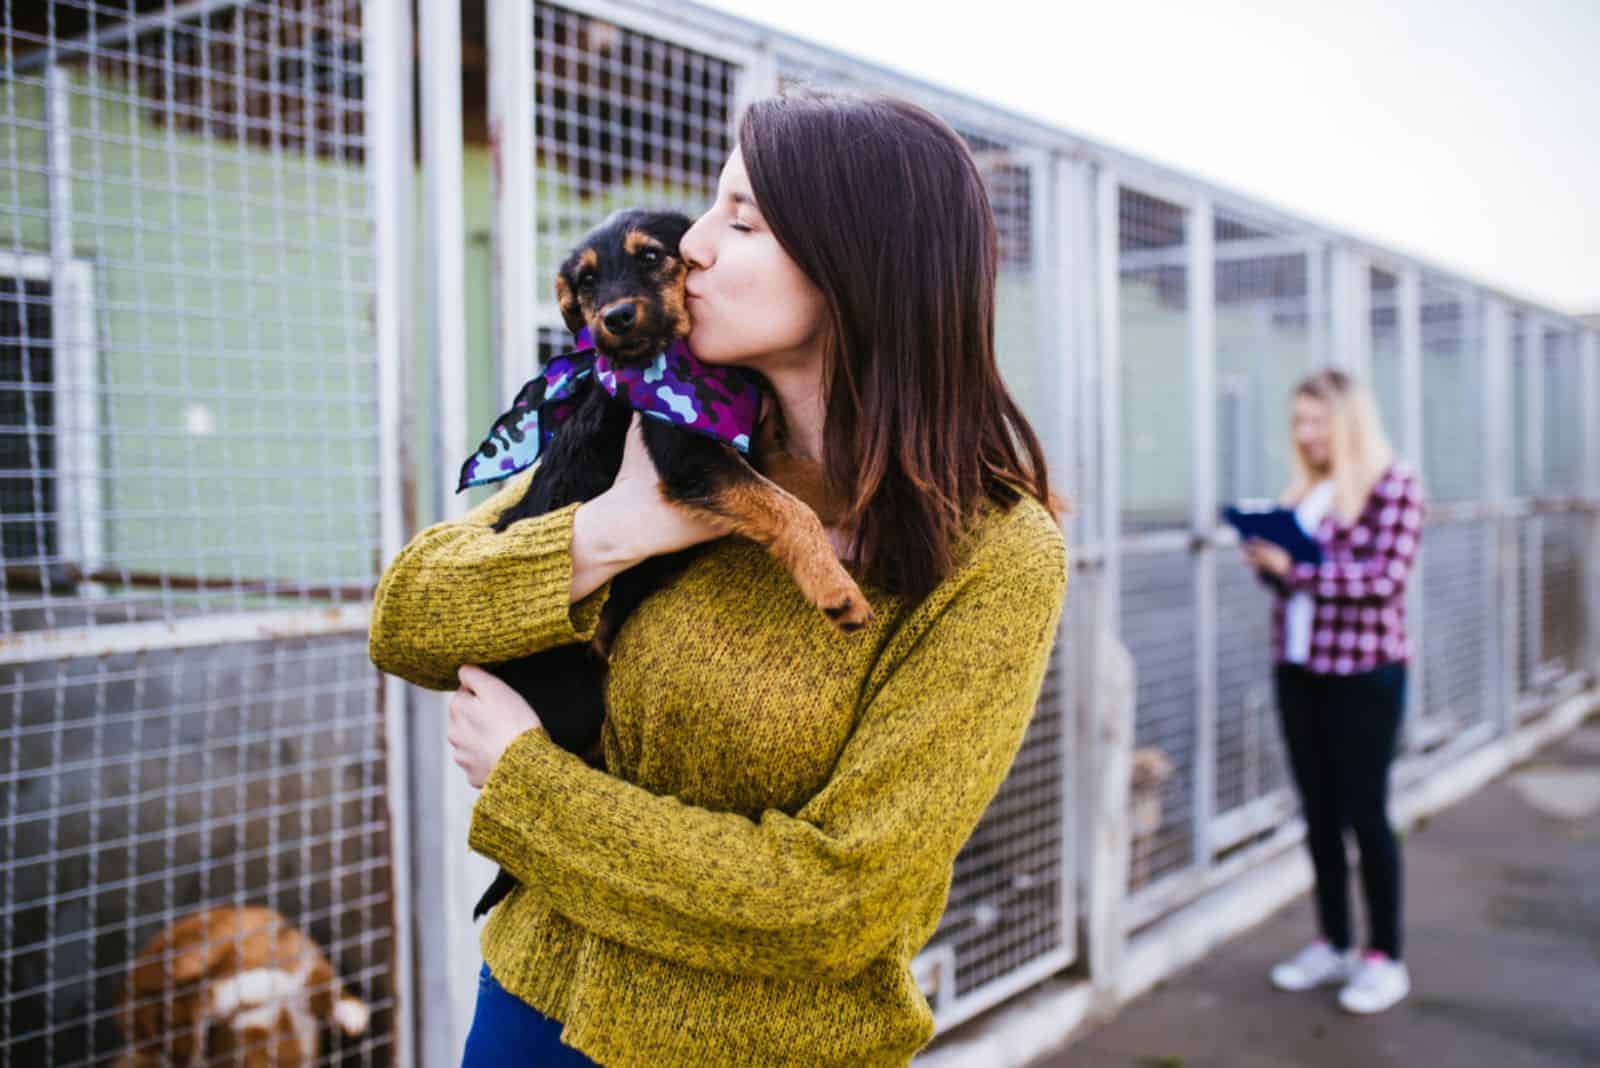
(1280, 527)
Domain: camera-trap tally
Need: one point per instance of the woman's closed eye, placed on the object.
(742, 227)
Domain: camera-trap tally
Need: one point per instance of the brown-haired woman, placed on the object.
(774, 836)
(1341, 651)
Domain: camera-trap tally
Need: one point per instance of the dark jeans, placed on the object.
(509, 1033)
(1340, 731)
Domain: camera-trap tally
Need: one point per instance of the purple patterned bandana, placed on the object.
(676, 387)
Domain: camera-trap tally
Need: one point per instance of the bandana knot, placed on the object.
(676, 387)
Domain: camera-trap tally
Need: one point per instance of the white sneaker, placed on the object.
(1378, 985)
(1316, 965)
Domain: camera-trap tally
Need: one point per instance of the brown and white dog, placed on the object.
(234, 985)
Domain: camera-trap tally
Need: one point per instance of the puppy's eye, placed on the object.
(586, 280)
(650, 257)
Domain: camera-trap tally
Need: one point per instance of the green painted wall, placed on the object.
(1262, 361)
(232, 288)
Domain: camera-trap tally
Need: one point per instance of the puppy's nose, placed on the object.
(619, 318)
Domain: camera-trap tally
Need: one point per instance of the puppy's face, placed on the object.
(624, 282)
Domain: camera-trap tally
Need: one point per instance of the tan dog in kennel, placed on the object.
(1151, 770)
(234, 985)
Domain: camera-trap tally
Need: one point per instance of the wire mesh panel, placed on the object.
(138, 789)
(1031, 369)
(1005, 906)
(1530, 603)
(1158, 609)
(1457, 601)
(1452, 385)
(188, 519)
(1158, 619)
(622, 120)
(1153, 303)
(1027, 818)
(1268, 332)
(1458, 607)
(1010, 904)
(201, 434)
(1525, 368)
(1563, 408)
(1526, 478)
(1560, 601)
(1250, 762)
(1388, 372)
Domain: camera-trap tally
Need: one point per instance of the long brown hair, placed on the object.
(883, 208)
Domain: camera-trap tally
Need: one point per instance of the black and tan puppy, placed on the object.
(624, 284)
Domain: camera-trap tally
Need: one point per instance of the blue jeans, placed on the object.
(509, 1033)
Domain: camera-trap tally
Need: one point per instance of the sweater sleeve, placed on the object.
(1387, 543)
(459, 593)
(822, 891)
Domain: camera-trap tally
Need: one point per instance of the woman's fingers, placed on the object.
(473, 677)
(483, 684)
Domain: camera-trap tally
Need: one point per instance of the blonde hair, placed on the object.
(1359, 451)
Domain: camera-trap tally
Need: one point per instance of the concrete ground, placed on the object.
(1503, 941)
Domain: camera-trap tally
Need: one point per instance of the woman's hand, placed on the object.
(632, 521)
(485, 715)
(1267, 557)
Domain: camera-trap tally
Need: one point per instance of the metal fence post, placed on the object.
(1589, 379)
(1113, 723)
(1411, 447)
(387, 34)
(1501, 573)
(1203, 516)
(1055, 233)
(1107, 229)
(447, 949)
(1350, 310)
(1532, 552)
(513, 222)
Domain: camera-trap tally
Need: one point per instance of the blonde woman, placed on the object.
(1339, 631)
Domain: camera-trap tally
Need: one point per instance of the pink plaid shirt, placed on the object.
(1358, 590)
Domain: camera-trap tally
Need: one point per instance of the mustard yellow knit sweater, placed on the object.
(773, 840)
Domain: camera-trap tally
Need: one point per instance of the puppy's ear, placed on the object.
(669, 228)
(571, 312)
(192, 964)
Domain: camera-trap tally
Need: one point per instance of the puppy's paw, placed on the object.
(850, 614)
(827, 585)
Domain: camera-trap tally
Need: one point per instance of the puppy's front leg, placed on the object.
(701, 474)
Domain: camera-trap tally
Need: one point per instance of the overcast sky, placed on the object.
(1464, 131)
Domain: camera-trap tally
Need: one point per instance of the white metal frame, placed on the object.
(79, 513)
(1589, 377)
(1200, 523)
(1498, 430)
(387, 41)
(1410, 314)
(514, 221)
(1199, 230)
(449, 878)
